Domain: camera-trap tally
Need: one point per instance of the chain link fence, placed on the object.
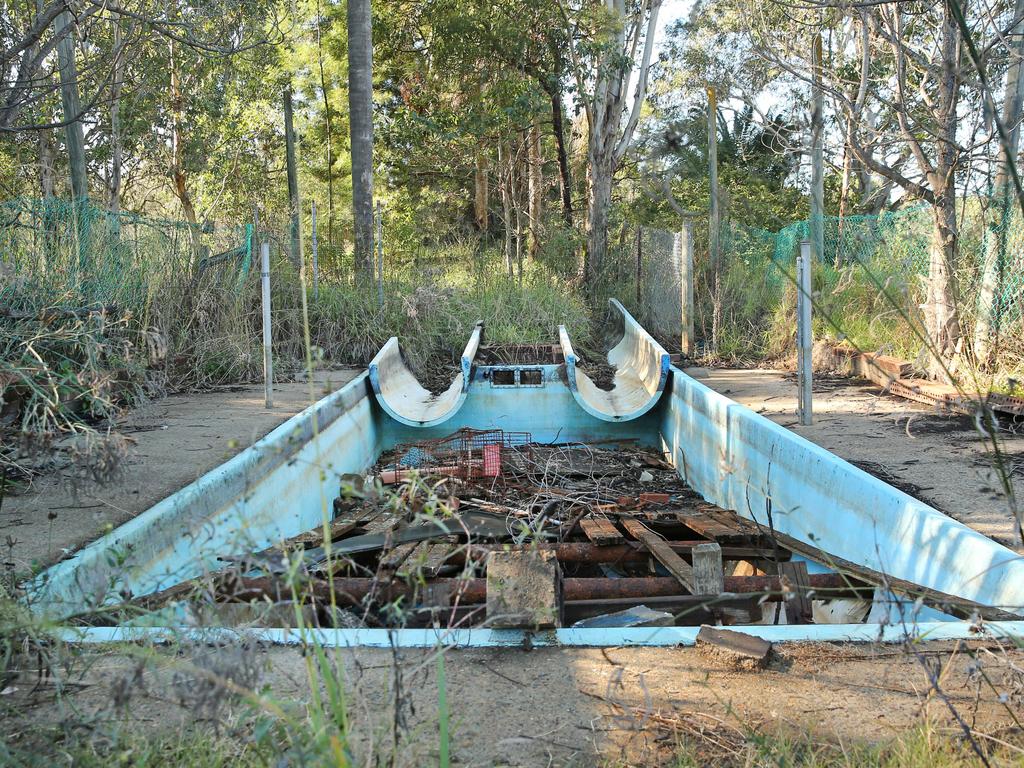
(84, 254)
(870, 283)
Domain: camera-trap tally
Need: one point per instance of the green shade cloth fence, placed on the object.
(84, 253)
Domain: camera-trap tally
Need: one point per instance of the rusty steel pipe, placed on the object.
(586, 552)
(348, 591)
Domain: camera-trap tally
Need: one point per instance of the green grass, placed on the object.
(922, 746)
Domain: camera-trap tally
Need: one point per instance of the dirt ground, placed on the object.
(557, 707)
(175, 441)
(568, 707)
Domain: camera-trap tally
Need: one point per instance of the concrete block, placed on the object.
(524, 590)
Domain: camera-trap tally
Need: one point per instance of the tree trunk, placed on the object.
(986, 329)
(47, 153)
(292, 167)
(608, 138)
(360, 100)
(116, 146)
(179, 177)
(599, 203)
(558, 131)
(480, 191)
(941, 311)
(74, 136)
(504, 179)
(941, 316)
(817, 153)
(714, 222)
(47, 160)
(329, 131)
(536, 188)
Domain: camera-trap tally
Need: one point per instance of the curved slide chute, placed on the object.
(641, 372)
(404, 399)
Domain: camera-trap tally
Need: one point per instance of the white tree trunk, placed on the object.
(536, 189)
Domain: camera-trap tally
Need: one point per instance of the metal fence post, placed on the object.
(803, 331)
(380, 255)
(316, 271)
(268, 360)
(684, 258)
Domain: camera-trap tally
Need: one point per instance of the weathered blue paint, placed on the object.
(547, 412)
(515, 638)
(281, 485)
(742, 461)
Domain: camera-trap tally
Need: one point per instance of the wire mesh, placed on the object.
(85, 253)
(870, 282)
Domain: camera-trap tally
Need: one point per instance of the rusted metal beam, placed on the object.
(586, 552)
(354, 590)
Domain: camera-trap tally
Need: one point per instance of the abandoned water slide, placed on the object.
(514, 513)
(641, 371)
(407, 401)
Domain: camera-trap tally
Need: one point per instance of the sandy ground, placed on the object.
(570, 707)
(175, 441)
(557, 707)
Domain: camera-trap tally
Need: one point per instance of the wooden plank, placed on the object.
(798, 605)
(427, 558)
(315, 536)
(704, 526)
(706, 520)
(708, 578)
(740, 645)
(601, 531)
(662, 552)
(394, 557)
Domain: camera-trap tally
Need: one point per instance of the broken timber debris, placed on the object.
(489, 527)
(897, 377)
(745, 651)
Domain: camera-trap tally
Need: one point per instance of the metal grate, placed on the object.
(466, 453)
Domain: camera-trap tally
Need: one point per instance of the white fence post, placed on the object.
(684, 258)
(268, 360)
(805, 341)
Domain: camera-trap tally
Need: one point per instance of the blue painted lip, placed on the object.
(579, 638)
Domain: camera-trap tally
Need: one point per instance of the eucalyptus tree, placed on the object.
(904, 101)
(111, 58)
(609, 44)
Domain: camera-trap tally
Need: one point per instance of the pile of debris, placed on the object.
(488, 528)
